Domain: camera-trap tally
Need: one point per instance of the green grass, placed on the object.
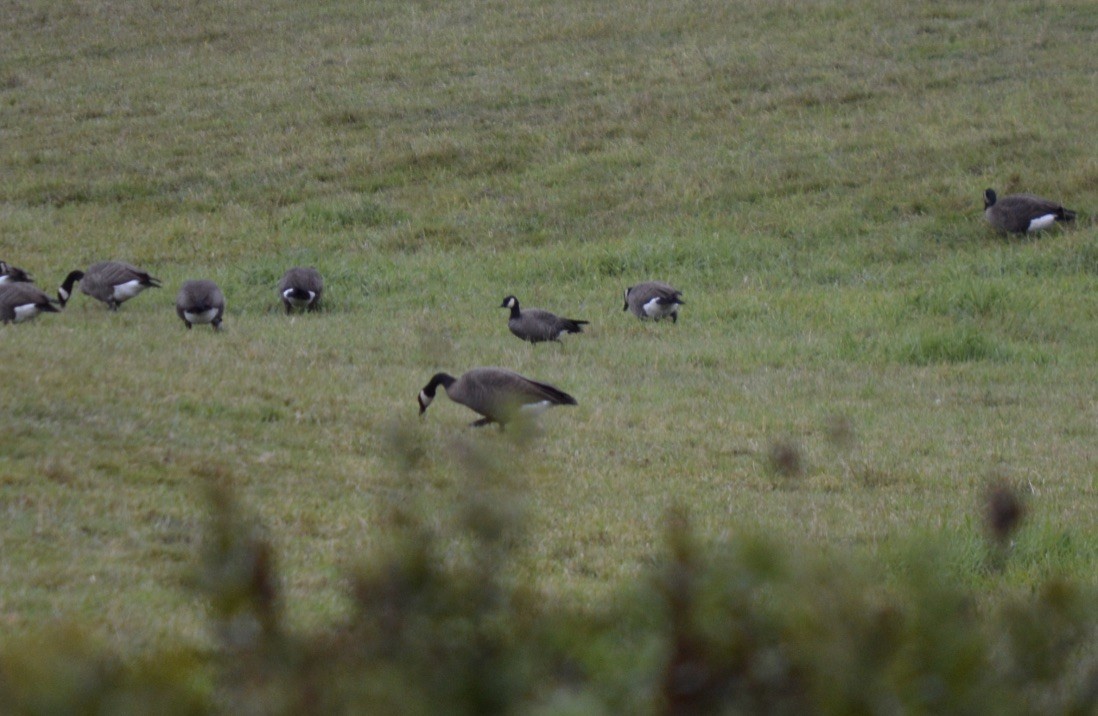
(810, 174)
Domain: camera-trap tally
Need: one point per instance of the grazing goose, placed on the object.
(13, 274)
(301, 288)
(536, 325)
(1021, 213)
(112, 282)
(653, 299)
(498, 394)
(200, 302)
(23, 301)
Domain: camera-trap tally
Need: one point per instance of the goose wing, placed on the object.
(536, 324)
(304, 278)
(105, 275)
(14, 295)
(497, 393)
(1030, 202)
(666, 293)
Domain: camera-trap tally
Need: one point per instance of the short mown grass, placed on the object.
(810, 174)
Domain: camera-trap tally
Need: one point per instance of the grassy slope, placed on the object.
(809, 173)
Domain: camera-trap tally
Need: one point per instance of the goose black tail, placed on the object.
(574, 326)
(555, 395)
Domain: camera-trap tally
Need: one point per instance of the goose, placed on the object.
(1022, 213)
(112, 282)
(23, 301)
(200, 301)
(536, 325)
(500, 395)
(13, 274)
(301, 288)
(653, 299)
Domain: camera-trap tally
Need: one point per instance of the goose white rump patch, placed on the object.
(298, 302)
(26, 312)
(200, 316)
(655, 309)
(536, 408)
(128, 290)
(1042, 222)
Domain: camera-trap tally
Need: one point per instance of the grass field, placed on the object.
(810, 175)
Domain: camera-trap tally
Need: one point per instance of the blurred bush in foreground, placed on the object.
(439, 624)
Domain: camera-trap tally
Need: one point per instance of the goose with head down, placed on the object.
(112, 282)
(23, 301)
(653, 299)
(499, 395)
(301, 287)
(200, 301)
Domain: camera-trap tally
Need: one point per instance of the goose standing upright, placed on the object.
(200, 301)
(23, 301)
(1023, 213)
(301, 288)
(653, 299)
(536, 325)
(500, 395)
(112, 282)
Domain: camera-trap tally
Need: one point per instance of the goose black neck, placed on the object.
(71, 279)
(443, 379)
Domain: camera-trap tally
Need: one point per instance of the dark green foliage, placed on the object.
(726, 648)
(60, 671)
(436, 625)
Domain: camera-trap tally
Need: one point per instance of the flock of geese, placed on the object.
(498, 395)
(115, 282)
(501, 396)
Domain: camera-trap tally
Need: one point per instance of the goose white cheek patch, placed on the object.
(424, 399)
